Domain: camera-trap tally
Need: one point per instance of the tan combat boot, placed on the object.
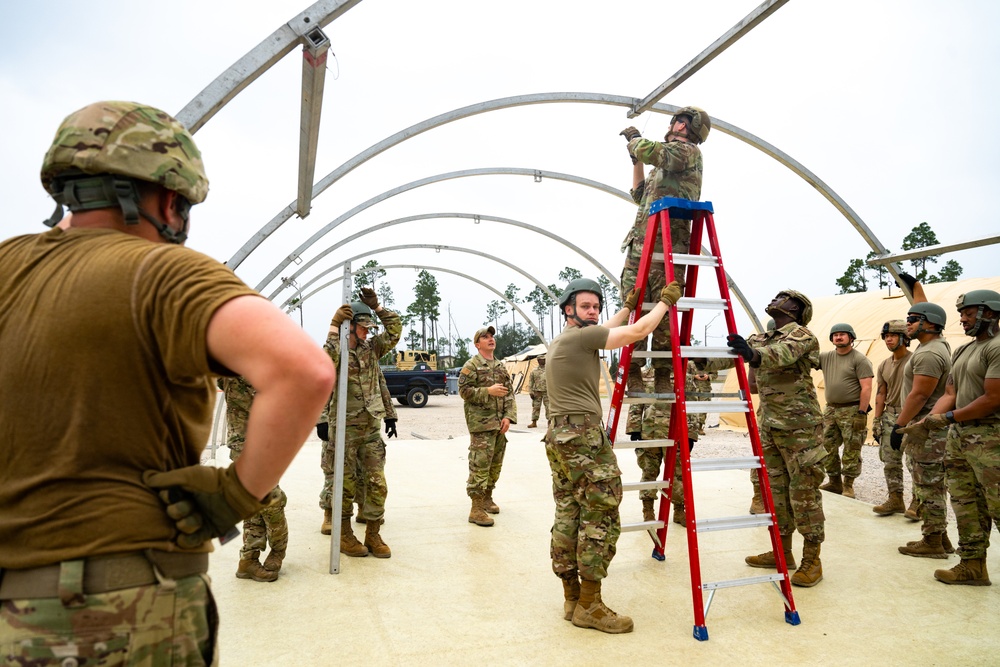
(477, 514)
(591, 612)
(766, 559)
(247, 567)
(835, 485)
(757, 504)
(848, 487)
(912, 512)
(969, 572)
(349, 545)
(571, 595)
(274, 560)
(533, 424)
(946, 543)
(327, 526)
(929, 546)
(488, 505)
(679, 516)
(647, 510)
(373, 541)
(810, 572)
(894, 505)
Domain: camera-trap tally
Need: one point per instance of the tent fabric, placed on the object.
(867, 312)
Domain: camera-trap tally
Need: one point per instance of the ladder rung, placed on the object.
(700, 352)
(733, 522)
(644, 444)
(649, 400)
(645, 486)
(651, 354)
(692, 302)
(642, 525)
(746, 581)
(688, 260)
(734, 463)
(705, 407)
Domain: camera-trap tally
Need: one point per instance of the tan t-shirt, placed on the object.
(932, 359)
(842, 374)
(975, 363)
(573, 371)
(890, 372)
(105, 374)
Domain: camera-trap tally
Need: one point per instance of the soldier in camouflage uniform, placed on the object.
(488, 392)
(790, 429)
(754, 340)
(328, 453)
(925, 375)
(970, 411)
(889, 383)
(268, 525)
(538, 392)
(701, 390)
(677, 172)
(847, 374)
(586, 481)
(112, 334)
(365, 410)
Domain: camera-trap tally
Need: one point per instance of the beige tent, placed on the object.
(866, 312)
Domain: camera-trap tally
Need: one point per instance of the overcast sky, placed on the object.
(891, 103)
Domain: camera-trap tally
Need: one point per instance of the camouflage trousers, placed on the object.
(843, 426)
(147, 626)
(486, 451)
(364, 461)
(326, 461)
(972, 467)
(680, 239)
(892, 459)
(536, 405)
(587, 489)
(650, 462)
(267, 526)
(927, 459)
(794, 469)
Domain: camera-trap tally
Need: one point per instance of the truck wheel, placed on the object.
(402, 400)
(416, 397)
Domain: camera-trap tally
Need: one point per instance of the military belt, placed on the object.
(578, 419)
(100, 574)
(843, 405)
(986, 421)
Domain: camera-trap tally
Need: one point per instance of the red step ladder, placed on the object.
(676, 445)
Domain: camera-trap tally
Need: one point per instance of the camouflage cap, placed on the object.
(482, 332)
(128, 139)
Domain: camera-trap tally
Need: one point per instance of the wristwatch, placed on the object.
(950, 416)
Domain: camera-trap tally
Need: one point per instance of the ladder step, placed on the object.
(688, 352)
(643, 444)
(689, 260)
(734, 463)
(642, 525)
(704, 407)
(746, 581)
(650, 399)
(692, 303)
(732, 522)
(645, 486)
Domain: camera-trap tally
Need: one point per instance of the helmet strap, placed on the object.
(165, 231)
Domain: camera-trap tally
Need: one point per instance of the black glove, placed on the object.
(909, 281)
(896, 437)
(740, 346)
(691, 442)
(323, 431)
(390, 428)
(369, 298)
(203, 501)
(635, 436)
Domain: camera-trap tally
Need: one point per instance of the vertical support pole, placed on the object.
(336, 503)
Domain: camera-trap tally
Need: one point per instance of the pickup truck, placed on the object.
(413, 388)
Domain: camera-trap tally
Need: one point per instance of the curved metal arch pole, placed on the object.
(258, 60)
(484, 171)
(425, 246)
(432, 216)
(551, 98)
(438, 268)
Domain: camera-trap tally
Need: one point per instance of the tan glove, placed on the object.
(632, 301)
(877, 430)
(934, 422)
(914, 434)
(671, 293)
(369, 298)
(343, 314)
(203, 501)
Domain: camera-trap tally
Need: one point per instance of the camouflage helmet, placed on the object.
(979, 297)
(126, 139)
(363, 315)
(843, 328)
(701, 124)
(897, 327)
(806, 314)
(931, 312)
(771, 326)
(581, 285)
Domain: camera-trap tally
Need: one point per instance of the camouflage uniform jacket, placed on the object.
(390, 409)
(482, 411)
(677, 171)
(364, 394)
(239, 395)
(536, 381)
(784, 377)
